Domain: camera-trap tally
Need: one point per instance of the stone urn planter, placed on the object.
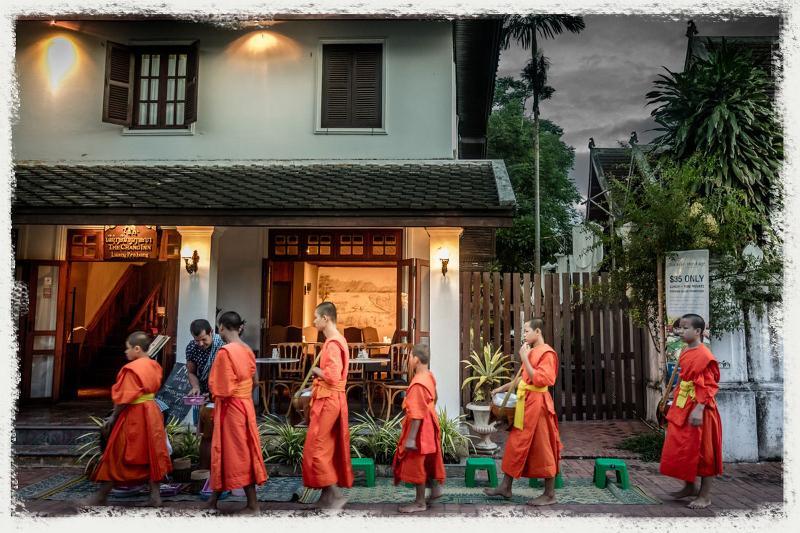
(483, 428)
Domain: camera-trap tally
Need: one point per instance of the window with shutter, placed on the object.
(352, 81)
(159, 85)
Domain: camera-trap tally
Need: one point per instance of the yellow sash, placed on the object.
(686, 391)
(144, 398)
(519, 411)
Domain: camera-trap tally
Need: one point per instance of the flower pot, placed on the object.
(483, 428)
(182, 469)
(198, 480)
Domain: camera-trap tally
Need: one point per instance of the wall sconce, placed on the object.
(191, 259)
(444, 257)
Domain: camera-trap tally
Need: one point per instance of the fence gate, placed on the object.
(600, 350)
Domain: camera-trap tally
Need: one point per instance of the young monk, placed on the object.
(236, 459)
(137, 446)
(693, 445)
(418, 459)
(326, 455)
(533, 449)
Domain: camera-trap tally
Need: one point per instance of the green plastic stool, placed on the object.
(480, 463)
(533, 482)
(618, 466)
(366, 465)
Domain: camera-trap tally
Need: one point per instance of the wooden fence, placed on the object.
(600, 350)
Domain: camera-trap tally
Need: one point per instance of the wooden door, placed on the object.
(422, 301)
(41, 331)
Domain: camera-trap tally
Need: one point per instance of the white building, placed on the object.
(289, 155)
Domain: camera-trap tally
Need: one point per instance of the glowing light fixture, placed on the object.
(61, 57)
(444, 257)
(191, 259)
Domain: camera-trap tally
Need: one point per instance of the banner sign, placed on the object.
(130, 243)
(687, 285)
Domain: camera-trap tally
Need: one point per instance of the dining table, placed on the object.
(272, 363)
(365, 362)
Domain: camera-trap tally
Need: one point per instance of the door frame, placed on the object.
(27, 272)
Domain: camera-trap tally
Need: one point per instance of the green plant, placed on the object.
(648, 445)
(186, 444)
(372, 437)
(89, 446)
(721, 107)
(455, 444)
(486, 370)
(281, 442)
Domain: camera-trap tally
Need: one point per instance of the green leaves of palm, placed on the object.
(486, 369)
(720, 107)
(525, 28)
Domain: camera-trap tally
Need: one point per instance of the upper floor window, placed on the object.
(152, 87)
(352, 85)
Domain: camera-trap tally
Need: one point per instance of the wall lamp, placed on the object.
(191, 259)
(444, 257)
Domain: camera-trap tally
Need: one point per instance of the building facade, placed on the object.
(300, 159)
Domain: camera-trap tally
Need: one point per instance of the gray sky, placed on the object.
(602, 74)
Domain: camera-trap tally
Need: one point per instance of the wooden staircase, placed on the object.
(132, 305)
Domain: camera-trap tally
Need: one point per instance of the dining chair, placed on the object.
(354, 335)
(399, 379)
(290, 375)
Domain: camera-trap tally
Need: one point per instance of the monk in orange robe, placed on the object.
(693, 445)
(418, 459)
(136, 450)
(326, 455)
(533, 449)
(236, 459)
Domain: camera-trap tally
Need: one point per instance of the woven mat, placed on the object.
(65, 487)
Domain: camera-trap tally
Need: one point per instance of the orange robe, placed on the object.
(137, 447)
(236, 459)
(326, 455)
(426, 462)
(535, 450)
(690, 451)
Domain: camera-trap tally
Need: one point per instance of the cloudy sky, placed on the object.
(602, 74)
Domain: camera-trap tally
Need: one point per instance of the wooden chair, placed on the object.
(294, 334)
(353, 335)
(290, 375)
(370, 334)
(398, 374)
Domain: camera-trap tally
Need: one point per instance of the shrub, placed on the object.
(648, 445)
(281, 442)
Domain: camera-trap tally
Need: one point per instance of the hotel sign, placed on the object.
(130, 243)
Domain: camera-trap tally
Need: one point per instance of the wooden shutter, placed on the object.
(84, 245)
(336, 86)
(190, 114)
(119, 82)
(367, 86)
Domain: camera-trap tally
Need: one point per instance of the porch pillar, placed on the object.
(197, 292)
(444, 318)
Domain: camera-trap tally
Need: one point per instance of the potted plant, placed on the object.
(455, 445)
(487, 370)
(185, 451)
(282, 443)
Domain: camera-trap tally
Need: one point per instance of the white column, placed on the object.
(444, 318)
(198, 294)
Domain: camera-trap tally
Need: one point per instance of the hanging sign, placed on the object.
(687, 285)
(130, 243)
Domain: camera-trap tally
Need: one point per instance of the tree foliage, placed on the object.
(669, 212)
(509, 138)
(720, 107)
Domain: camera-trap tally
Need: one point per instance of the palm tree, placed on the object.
(525, 31)
(720, 108)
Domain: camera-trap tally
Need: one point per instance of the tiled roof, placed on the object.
(385, 186)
